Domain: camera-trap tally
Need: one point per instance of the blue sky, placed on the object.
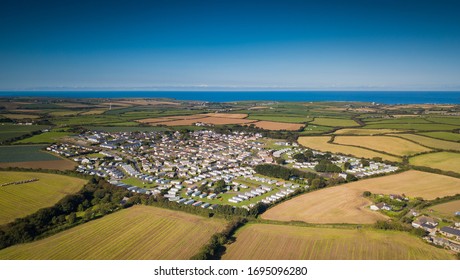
(330, 45)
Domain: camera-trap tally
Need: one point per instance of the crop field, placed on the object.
(60, 164)
(334, 122)
(265, 241)
(443, 160)
(320, 143)
(25, 153)
(125, 128)
(211, 118)
(139, 232)
(358, 131)
(447, 209)
(411, 126)
(433, 143)
(280, 118)
(20, 116)
(400, 120)
(391, 145)
(312, 129)
(47, 137)
(449, 136)
(9, 131)
(278, 125)
(345, 204)
(23, 199)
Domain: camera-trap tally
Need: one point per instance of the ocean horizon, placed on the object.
(385, 97)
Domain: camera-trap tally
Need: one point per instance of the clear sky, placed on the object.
(286, 44)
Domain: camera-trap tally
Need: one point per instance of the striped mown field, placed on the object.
(345, 203)
(320, 143)
(23, 199)
(392, 145)
(265, 241)
(139, 232)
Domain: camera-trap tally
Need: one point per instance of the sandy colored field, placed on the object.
(263, 241)
(278, 125)
(140, 232)
(63, 164)
(20, 116)
(226, 115)
(320, 143)
(358, 131)
(167, 119)
(433, 143)
(334, 122)
(391, 145)
(94, 112)
(141, 102)
(345, 204)
(21, 200)
(448, 208)
(443, 160)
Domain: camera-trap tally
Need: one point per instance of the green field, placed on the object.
(443, 135)
(25, 153)
(280, 242)
(47, 137)
(411, 126)
(9, 131)
(443, 160)
(334, 122)
(415, 120)
(280, 118)
(447, 209)
(137, 182)
(448, 120)
(312, 129)
(23, 199)
(126, 128)
(140, 232)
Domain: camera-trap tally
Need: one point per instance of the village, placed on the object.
(202, 168)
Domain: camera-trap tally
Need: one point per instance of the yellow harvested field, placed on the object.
(333, 122)
(431, 142)
(24, 199)
(443, 160)
(167, 119)
(447, 209)
(94, 112)
(320, 143)
(136, 233)
(392, 145)
(278, 125)
(221, 121)
(364, 131)
(345, 204)
(281, 242)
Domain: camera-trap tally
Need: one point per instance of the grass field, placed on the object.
(312, 129)
(280, 118)
(432, 143)
(24, 199)
(447, 209)
(443, 160)
(126, 128)
(345, 204)
(9, 131)
(411, 126)
(262, 241)
(20, 116)
(47, 137)
(443, 135)
(25, 153)
(391, 145)
(334, 122)
(320, 143)
(140, 232)
(358, 131)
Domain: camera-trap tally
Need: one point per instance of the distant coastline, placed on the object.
(385, 97)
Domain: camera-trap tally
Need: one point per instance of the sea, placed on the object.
(384, 97)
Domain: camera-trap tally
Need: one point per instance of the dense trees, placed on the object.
(326, 165)
(282, 172)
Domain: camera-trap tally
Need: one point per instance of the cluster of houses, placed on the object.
(446, 236)
(356, 167)
(70, 150)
